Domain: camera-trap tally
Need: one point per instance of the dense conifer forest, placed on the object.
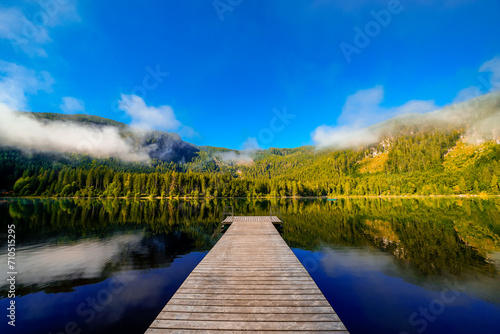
(411, 158)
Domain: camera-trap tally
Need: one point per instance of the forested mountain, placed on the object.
(160, 145)
(78, 118)
(455, 150)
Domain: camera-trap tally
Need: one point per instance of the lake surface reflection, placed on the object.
(385, 265)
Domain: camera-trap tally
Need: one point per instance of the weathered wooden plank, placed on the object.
(249, 274)
(227, 296)
(248, 309)
(252, 264)
(256, 325)
(208, 331)
(239, 302)
(272, 270)
(247, 291)
(246, 316)
(249, 282)
(256, 264)
(231, 219)
(268, 268)
(219, 288)
(254, 260)
(260, 287)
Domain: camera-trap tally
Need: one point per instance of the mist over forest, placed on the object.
(449, 151)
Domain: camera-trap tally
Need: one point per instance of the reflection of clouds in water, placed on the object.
(495, 258)
(44, 263)
(357, 262)
(134, 296)
(487, 287)
(137, 290)
(144, 294)
(379, 270)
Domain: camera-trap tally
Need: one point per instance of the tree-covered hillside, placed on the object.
(78, 118)
(452, 151)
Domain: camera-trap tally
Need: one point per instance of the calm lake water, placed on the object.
(385, 265)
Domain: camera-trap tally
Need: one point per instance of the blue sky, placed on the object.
(245, 73)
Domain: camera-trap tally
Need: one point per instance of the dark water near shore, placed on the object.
(385, 265)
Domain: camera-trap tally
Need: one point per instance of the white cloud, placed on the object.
(72, 105)
(22, 33)
(466, 94)
(492, 66)
(60, 12)
(241, 157)
(28, 31)
(413, 107)
(486, 84)
(342, 136)
(149, 117)
(250, 144)
(17, 81)
(362, 109)
(25, 132)
(245, 155)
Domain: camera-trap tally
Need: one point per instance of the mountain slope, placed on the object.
(455, 150)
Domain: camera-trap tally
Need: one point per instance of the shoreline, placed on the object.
(264, 197)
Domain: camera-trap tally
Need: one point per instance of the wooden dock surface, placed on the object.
(249, 282)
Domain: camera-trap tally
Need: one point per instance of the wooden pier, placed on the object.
(249, 282)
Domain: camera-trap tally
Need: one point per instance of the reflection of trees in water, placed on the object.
(70, 219)
(426, 236)
(157, 251)
(167, 230)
